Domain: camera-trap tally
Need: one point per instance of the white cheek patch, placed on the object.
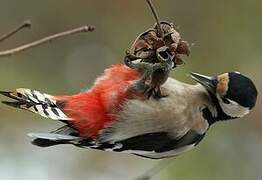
(233, 109)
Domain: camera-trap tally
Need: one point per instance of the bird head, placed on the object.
(234, 93)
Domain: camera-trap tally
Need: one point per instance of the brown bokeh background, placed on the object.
(227, 37)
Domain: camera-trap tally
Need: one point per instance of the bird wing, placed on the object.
(154, 145)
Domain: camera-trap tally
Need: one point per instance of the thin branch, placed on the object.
(25, 24)
(159, 166)
(46, 39)
(153, 9)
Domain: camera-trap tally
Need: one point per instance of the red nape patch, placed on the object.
(99, 106)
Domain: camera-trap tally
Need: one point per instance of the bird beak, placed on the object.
(208, 82)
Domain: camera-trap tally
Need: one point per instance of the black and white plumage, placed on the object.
(151, 128)
(36, 102)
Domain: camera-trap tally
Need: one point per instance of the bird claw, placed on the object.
(156, 93)
(165, 64)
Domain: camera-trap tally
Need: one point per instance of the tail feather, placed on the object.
(63, 135)
(50, 107)
(45, 142)
(51, 139)
(54, 136)
(36, 102)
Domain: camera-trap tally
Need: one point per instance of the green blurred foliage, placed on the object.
(227, 37)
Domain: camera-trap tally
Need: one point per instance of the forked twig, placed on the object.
(46, 39)
(25, 24)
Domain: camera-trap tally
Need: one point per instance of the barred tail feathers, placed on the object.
(36, 102)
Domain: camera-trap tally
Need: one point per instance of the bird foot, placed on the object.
(156, 93)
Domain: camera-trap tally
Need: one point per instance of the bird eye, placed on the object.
(225, 100)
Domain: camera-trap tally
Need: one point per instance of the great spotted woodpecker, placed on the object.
(114, 115)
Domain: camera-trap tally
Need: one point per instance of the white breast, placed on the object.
(177, 113)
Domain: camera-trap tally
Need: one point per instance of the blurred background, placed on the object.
(227, 37)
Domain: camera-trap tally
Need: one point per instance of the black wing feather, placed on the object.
(158, 142)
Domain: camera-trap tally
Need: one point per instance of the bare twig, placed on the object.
(159, 166)
(25, 24)
(153, 9)
(46, 39)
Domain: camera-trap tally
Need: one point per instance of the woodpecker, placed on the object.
(114, 115)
